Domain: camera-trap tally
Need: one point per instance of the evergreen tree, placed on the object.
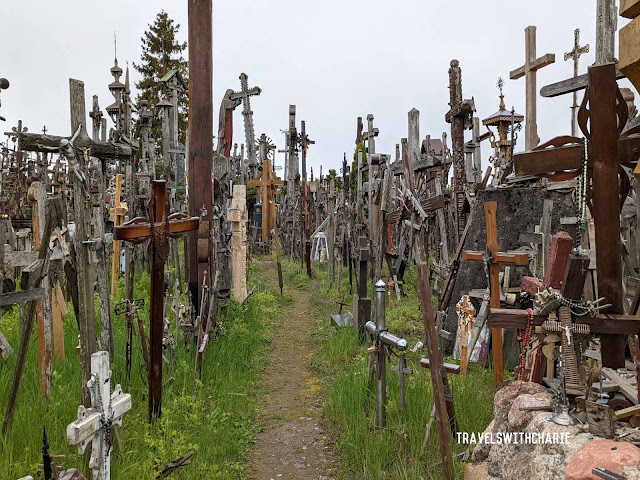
(161, 53)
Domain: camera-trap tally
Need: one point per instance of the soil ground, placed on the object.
(293, 443)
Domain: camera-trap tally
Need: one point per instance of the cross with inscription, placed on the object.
(495, 258)
(158, 228)
(528, 70)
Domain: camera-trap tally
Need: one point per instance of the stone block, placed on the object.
(607, 454)
(629, 61)
(559, 251)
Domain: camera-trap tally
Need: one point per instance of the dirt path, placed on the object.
(293, 443)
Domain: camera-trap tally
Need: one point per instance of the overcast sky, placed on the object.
(335, 59)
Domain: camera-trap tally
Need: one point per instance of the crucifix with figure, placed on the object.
(158, 228)
(495, 258)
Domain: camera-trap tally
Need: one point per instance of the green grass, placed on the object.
(341, 362)
(216, 418)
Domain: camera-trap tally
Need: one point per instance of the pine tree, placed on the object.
(161, 53)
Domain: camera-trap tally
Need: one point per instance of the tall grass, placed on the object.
(215, 418)
(395, 452)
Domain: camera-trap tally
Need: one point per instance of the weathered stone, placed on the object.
(631, 473)
(481, 451)
(518, 418)
(504, 398)
(602, 453)
(476, 472)
(502, 456)
(559, 251)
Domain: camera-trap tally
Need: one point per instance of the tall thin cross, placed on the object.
(460, 117)
(245, 95)
(158, 228)
(370, 135)
(200, 16)
(528, 70)
(305, 141)
(575, 54)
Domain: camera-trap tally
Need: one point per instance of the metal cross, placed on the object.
(575, 54)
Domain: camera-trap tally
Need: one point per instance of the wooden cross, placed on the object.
(460, 117)
(575, 55)
(606, 112)
(466, 313)
(95, 425)
(528, 70)
(158, 228)
(266, 185)
(497, 258)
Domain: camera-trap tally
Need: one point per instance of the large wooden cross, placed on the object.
(266, 185)
(602, 117)
(528, 70)
(159, 228)
(496, 259)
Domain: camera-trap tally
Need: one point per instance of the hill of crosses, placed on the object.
(440, 293)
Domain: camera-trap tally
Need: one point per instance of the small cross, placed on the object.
(94, 425)
(44, 130)
(575, 54)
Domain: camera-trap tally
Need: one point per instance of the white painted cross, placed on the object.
(94, 424)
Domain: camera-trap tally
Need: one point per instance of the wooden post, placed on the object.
(238, 217)
(432, 340)
(118, 219)
(38, 195)
(200, 139)
(81, 209)
(606, 202)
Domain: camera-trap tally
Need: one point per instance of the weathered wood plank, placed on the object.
(21, 296)
(600, 324)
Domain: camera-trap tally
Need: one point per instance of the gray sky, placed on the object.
(336, 60)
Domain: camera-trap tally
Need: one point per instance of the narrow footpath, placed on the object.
(292, 443)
